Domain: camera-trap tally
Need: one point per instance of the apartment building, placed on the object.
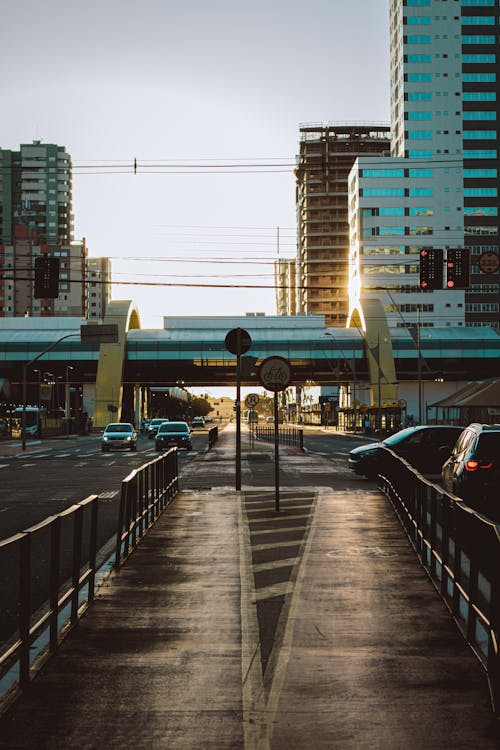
(98, 287)
(285, 284)
(327, 154)
(444, 105)
(397, 208)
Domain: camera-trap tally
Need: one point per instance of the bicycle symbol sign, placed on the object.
(275, 373)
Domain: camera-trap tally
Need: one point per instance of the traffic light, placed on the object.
(46, 277)
(431, 268)
(458, 268)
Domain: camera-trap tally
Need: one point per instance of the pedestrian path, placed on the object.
(233, 626)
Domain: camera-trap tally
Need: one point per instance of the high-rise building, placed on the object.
(98, 287)
(444, 103)
(35, 192)
(36, 219)
(285, 284)
(327, 153)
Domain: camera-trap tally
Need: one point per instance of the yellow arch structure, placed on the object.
(369, 316)
(109, 380)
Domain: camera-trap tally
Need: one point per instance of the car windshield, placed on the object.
(488, 445)
(157, 421)
(399, 436)
(119, 428)
(174, 427)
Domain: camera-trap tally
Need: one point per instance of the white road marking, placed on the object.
(4, 466)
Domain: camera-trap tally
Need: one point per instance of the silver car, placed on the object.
(119, 435)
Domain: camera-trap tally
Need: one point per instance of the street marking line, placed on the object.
(25, 466)
(4, 466)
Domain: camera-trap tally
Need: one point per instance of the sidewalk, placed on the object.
(233, 626)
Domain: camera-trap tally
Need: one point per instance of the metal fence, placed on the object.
(56, 562)
(213, 436)
(460, 551)
(41, 629)
(286, 435)
(144, 494)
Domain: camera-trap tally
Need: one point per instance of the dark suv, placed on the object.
(472, 472)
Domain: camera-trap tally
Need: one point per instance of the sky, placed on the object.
(208, 97)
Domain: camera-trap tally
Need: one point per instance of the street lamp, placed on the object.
(67, 404)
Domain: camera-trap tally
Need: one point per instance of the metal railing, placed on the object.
(286, 435)
(144, 494)
(40, 629)
(213, 436)
(460, 550)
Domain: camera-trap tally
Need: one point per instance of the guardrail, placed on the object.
(286, 435)
(213, 436)
(57, 560)
(144, 494)
(39, 633)
(460, 550)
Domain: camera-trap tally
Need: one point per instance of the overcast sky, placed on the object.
(201, 83)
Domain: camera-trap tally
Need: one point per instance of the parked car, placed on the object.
(472, 472)
(154, 425)
(197, 422)
(426, 447)
(171, 434)
(119, 435)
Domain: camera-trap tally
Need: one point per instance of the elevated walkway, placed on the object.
(235, 627)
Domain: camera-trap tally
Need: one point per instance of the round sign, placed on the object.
(489, 262)
(251, 400)
(402, 403)
(238, 341)
(275, 373)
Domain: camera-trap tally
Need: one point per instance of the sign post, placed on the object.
(275, 375)
(238, 341)
(251, 402)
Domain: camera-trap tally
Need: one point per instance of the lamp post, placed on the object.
(25, 371)
(67, 403)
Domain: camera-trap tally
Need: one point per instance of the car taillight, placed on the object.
(475, 465)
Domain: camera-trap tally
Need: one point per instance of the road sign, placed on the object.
(238, 341)
(94, 333)
(251, 400)
(431, 268)
(458, 268)
(275, 373)
(402, 403)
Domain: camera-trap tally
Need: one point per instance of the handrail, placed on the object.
(144, 495)
(459, 549)
(29, 630)
(286, 435)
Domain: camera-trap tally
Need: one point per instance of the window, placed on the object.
(419, 77)
(420, 154)
(480, 192)
(414, 20)
(418, 192)
(420, 115)
(480, 154)
(475, 173)
(478, 20)
(479, 77)
(479, 58)
(478, 39)
(420, 134)
(480, 115)
(419, 96)
(420, 172)
(417, 3)
(474, 3)
(382, 172)
(481, 211)
(480, 135)
(491, 231)
(479, 96)
(419, 40)
(383, 192)
(421, 212)
(419, 59)
(421, 231)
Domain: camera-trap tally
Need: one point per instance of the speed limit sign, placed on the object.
(251, 400)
